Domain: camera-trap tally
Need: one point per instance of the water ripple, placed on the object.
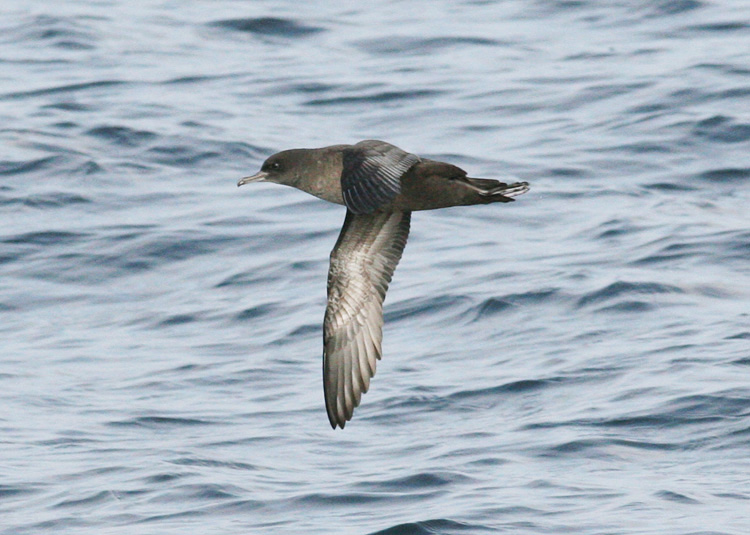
(64, 89)
(620, 289)
(381, 97)
(160, 422)
(434, 526)
(121, 135)
(399, 44)
(272, 26)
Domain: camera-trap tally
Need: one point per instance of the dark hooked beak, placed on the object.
(258, 177)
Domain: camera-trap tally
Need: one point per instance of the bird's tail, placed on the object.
(497, 190)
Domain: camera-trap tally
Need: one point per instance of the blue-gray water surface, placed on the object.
(577, 361)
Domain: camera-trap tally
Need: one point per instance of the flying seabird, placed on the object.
(380, 185)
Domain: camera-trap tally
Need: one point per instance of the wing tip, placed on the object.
(337, 421)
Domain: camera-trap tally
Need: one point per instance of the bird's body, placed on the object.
(380, 185)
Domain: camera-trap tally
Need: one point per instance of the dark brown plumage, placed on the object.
(380, 185)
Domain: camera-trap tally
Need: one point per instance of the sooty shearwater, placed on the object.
(380, 185)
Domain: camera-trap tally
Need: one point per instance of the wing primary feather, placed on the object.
(362, 265)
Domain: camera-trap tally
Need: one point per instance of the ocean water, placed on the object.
(575, 362)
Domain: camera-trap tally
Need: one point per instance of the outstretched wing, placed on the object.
(371, 175)
(362, 264)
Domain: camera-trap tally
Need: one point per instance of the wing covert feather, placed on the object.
(371, 175)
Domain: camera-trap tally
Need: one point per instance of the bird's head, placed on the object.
(281, 168)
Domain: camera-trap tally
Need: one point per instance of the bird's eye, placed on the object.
(275, 165)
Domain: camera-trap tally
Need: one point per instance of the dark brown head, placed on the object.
(285, 167)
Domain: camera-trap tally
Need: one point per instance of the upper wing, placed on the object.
(362, 264)
(371, 176)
